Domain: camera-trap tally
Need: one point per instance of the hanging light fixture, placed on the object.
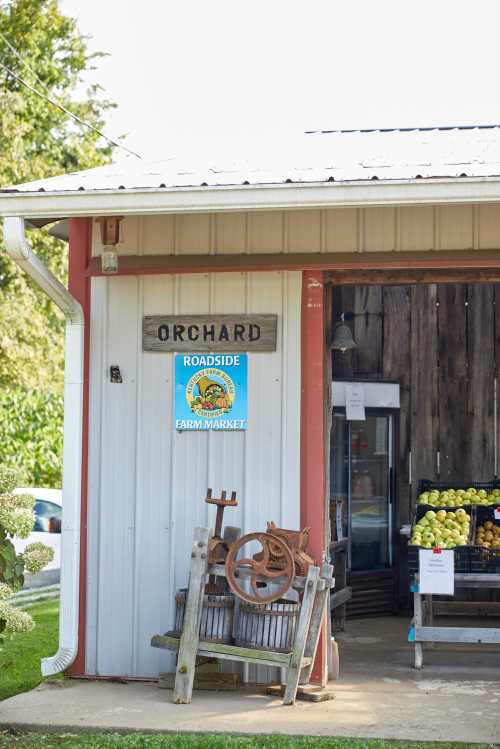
(342, 339)
(110, 237)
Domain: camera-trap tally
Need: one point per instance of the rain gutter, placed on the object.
(19, 250)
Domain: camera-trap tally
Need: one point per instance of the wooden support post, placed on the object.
(429, 617)
(190, 637)
(301, 635)
(417, 619)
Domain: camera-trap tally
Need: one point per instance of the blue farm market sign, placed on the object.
(210, 392)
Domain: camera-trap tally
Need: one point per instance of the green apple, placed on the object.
(441, 515)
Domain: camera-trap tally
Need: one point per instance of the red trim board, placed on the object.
(140, 265)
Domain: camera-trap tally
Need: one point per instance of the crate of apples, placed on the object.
(488, 535)
(459, 497)
(443, 529)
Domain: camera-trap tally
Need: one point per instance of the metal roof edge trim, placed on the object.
(248, 198)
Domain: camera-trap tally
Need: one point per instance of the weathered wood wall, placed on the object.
(442, 344)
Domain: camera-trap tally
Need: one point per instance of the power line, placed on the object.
(26, 64)
(66, 111)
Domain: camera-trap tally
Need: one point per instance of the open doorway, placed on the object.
(440, 344)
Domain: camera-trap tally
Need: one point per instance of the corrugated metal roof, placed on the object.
(315, 157)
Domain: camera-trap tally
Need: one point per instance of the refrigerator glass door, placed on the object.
(361, 473)
(370, 447)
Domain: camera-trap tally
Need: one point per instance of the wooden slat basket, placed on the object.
(217, 616)
(267, 627)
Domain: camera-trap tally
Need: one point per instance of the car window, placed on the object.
(44, 513)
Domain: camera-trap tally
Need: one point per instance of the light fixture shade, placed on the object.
(342, 339)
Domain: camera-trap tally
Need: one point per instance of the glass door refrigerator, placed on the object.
(363, 484)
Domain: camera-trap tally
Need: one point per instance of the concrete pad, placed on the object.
(379, 694)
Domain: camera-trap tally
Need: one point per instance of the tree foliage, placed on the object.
(31, 435)
(39, 140)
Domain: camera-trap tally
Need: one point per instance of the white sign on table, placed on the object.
(436, 571)
(355, 401)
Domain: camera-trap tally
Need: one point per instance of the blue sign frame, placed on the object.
(211, 392)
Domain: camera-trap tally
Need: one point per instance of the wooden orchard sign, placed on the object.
(209, 333)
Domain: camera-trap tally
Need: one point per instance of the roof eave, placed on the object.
(250, 197)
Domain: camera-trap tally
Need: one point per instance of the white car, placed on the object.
(47, 528)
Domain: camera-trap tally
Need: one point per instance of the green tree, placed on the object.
(37, 139)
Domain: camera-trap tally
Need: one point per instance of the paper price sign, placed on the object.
(497, 513)
(355, 402)
(436, 572)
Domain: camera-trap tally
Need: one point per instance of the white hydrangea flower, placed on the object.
(15, 619)
(8, 479)
(37, 556)
(16, 514)
(19, 521)
(5, 591)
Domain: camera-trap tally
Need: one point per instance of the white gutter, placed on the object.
(105, 202)
(19, 250)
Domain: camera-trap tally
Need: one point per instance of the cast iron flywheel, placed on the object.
(260, 568)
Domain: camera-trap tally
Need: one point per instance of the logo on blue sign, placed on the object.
(210, 392)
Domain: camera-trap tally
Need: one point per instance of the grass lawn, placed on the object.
(20, 653)
(190, 741)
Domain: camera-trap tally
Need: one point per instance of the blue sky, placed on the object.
(197, 76)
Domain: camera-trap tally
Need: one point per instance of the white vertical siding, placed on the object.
(147, 482)
(407, 228)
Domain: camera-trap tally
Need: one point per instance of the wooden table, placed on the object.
(423, 629)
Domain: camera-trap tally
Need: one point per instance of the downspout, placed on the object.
(19, 250)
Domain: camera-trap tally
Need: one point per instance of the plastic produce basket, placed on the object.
(484, 560)
(462, 556)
